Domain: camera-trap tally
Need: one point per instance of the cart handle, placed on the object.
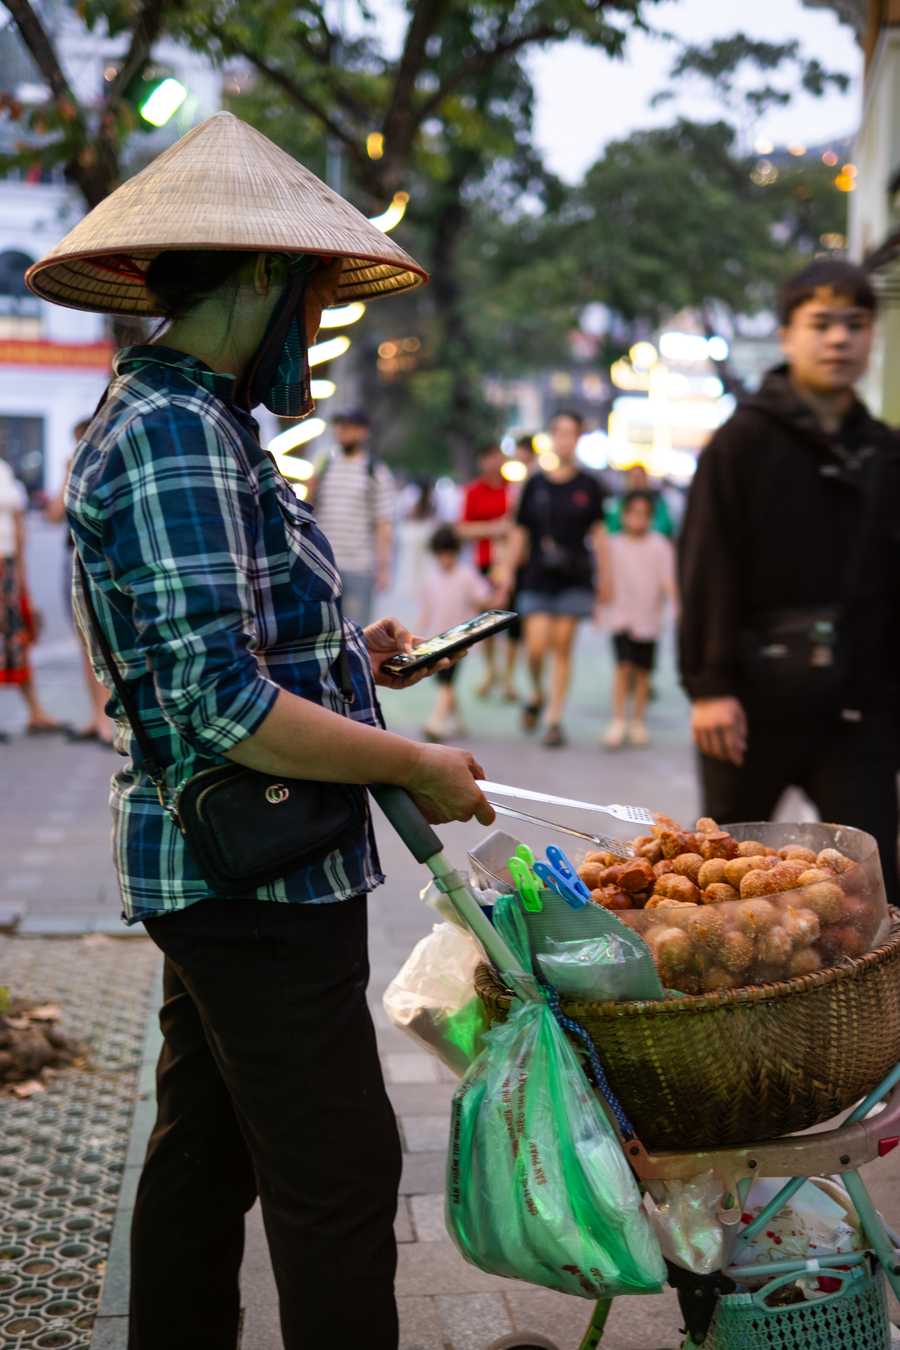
(408, 821)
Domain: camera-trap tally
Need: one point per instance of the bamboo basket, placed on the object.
(744, 1065)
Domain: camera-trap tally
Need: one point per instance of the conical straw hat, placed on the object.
(222, 186)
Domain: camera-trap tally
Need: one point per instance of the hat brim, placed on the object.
(113, 283)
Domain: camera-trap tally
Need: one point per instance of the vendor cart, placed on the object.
(841, 1027)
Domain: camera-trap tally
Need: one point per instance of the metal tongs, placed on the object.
(632, 815)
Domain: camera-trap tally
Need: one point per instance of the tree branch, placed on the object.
(147, 28)
(36, 39)
(400, 122)
(481, 62)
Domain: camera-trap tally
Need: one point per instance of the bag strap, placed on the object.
(154, 768)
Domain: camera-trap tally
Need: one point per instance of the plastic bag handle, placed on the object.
(408, 821)
(828, 1272)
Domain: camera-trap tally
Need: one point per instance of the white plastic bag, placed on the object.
(687, 1223)
(432, 997)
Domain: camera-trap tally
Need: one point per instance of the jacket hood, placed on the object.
(777, 398)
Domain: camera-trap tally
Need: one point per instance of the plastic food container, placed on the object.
(703, 947)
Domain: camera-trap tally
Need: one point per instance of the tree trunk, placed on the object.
(464, 425)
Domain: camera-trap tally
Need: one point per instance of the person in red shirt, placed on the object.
(486, 520)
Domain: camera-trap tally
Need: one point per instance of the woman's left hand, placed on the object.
(386, 638)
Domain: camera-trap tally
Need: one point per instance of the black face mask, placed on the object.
(278, 375)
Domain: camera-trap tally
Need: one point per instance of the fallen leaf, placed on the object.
(47, 1012)
(28, 1089)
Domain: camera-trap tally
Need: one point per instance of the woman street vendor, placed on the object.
(220, 601)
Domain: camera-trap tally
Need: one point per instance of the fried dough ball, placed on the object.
(770, 880)
(686, 982)
(775, 946)
(636, 875)
(675, 842)
(610, 897)
(805, 962)
(665, 902)
(843, 940)
(671, 948)
(712, 872)
(797, 853)
(602, 857)
(663, 867)
(688, 865)
(736, 950)
(737, 868)
(751, 848)
(814, 874)
(718, 893)
(718, 844)
(652, 851)
(705, 927)
(835, 861)
(706, 825)
(791, 869)
(755, 916)
(593, 874)
(663, 825)
(864, 916)
(801, 925)
(677, 888)
(717, 977)
(825, 899)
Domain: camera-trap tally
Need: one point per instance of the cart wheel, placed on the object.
(523, 1340)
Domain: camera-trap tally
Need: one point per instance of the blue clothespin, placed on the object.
(564, 869)
(555, 882)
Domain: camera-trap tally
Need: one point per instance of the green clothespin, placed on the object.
(527, 855)
(526, 884)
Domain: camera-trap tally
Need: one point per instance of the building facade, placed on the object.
(874, 237)
(55, 362)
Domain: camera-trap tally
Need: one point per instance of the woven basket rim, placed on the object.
(851, 967)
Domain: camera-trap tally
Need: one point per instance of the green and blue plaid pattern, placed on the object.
(215, 588)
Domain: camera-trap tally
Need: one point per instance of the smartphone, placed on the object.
(448, 644)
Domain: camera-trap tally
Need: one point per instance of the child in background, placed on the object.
(642, 568)
(452, 593)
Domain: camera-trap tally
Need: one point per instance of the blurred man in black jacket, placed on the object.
(790, 580)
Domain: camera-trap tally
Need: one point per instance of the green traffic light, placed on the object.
(163, 101)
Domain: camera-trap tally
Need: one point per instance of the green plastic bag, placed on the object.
(537, 1186)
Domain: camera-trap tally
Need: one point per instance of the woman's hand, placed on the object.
(386, 638)
(443, 786)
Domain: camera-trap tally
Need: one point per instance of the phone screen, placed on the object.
(453, 639)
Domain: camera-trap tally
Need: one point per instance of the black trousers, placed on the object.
(268, 1084)
(848, 770)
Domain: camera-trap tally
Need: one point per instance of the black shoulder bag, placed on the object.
(243, 828)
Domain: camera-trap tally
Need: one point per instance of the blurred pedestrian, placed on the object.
(790, 579)
(414, 533)
(99, 727)
(452, 592)
(638, 480)
(19, 621)
(523, 453)
(560, 544)
(485, 521)
(642, 580)
(354, 499)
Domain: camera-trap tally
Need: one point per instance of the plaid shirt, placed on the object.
(215, 589)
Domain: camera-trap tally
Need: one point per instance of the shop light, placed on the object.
(294, 436)
(548, 460)
(339, 316)
(321, 352)
(300, 490)
(683, 347)
(643, 355)
(541, 443)
(393, 215)
(763, 146)
(375, 145)
(163, 102)
(717, 348)
(322, 388)
(514, 471)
